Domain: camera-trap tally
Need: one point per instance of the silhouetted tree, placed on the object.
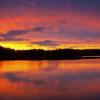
(39, 54)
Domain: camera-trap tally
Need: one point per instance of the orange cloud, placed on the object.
(60, 26)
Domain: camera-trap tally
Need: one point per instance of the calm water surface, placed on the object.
(50, 80)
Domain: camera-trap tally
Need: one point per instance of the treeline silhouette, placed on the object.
(39, 54)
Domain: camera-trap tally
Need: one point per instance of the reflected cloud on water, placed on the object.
(50, 80)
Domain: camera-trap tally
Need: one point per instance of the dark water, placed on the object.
(50, 80)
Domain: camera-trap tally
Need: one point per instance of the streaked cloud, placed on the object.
(50, 22)
(46, 43)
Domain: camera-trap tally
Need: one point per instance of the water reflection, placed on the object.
(50, 80)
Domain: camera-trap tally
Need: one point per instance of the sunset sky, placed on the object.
(50, 24)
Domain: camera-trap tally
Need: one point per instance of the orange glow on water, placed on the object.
(64, 79)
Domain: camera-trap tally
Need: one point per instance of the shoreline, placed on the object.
(90, 57)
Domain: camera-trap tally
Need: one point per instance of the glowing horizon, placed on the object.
(50, 24)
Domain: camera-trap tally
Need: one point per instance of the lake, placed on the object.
(50, 80)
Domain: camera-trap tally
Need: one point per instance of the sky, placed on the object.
(50, 24)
